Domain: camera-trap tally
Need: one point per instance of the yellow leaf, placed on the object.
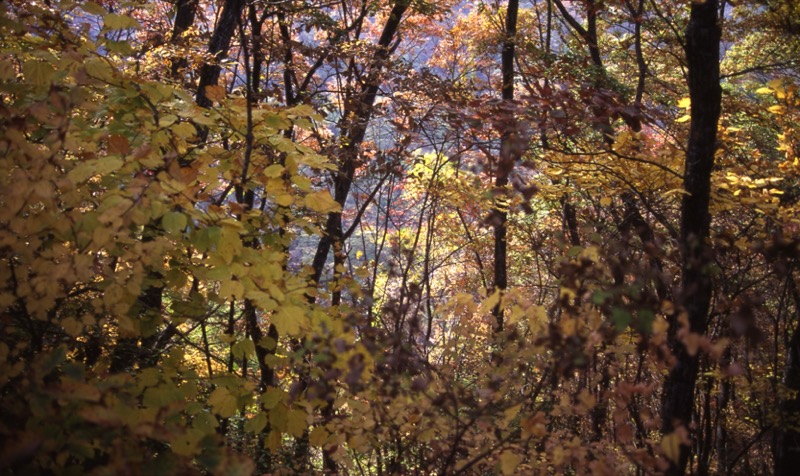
(230, 289)
(274, 171)
(101, 236)
(230, 245)
(776, 109)
(243, 348)
(222, 402)
(167, 120)
(764, 91)
(775, 84)
(490, 302)
(272, 397)
(671, 445)
(296, 423)
(37, 72)
(318, 436)
(187, 443)
(605, 201)
(509, 462)
(322, 202)
(685, 103)
(357, 442)
(284, 199)
(683, 118)
(274, 440)
(510, 413)
(112, 21)
(288, 320)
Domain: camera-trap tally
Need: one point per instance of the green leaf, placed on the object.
(599, 297)
(276, 121)
(205, 422)
(187, 443)
(256, 423)
(646, 318)
(98, 68)
(174, 222)
(621, 318)
(243, 348)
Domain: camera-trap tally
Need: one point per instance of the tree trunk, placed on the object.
(185, 12)
(787, 440)
(509, 147)
(218, 47)
(702, 54)
(355, 119)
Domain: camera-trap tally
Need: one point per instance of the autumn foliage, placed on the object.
(400, 237)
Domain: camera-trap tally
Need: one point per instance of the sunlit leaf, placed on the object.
(288, 320)
(321, 202)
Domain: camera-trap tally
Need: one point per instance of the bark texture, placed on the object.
(702, 54)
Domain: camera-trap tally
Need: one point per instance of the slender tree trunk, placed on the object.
(354, 123)
(702, 54)
(509, 153)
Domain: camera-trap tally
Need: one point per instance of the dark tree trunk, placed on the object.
(509, 151)
(787, 440)
(185, 12)
(702, 54)
(218, 47)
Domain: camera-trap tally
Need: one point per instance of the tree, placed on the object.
(702, 53)
(404, 237)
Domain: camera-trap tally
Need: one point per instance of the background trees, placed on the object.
(398, 237)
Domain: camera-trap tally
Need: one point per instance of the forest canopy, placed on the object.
(399, 237)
